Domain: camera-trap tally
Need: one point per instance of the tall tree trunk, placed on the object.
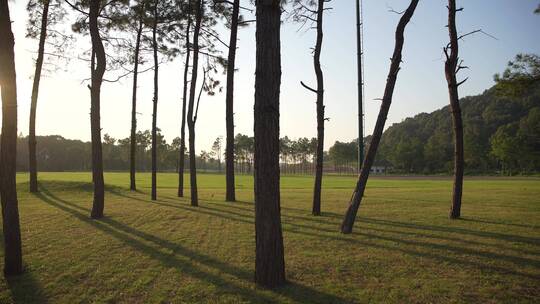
(32, 161)
(350, 216)
(184, 102)
(133, 143)
(190, 117)
(269, 257)
(316, 210)
(229, 104)
(155, 103)
(451, 68)
(98, 69)
(8, 147)
(360, 86)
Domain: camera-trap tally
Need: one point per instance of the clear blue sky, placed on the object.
(64, 101)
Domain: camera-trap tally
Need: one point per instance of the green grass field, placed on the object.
(404, 248)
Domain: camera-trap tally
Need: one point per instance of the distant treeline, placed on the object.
(55, 153)
(502, 135)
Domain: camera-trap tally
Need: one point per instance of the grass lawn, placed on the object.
(404, 248)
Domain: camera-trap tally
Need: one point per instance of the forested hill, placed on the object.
(501, 133)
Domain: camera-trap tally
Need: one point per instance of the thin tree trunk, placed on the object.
(451, 68)
(269, 257)
(350, 216)
(8, 148)
(190, 117)
(133, 143)
(98, 69)
(184, 102)
(229, 104)
(155, 103)
(33, 103)
(316, 210)
(360, 86)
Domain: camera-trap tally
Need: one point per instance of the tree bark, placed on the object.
(191, 119)
(451, 68)
(360, 86)
(133, 143)
(98, 65)
(269, 257)
(316, 210)
(8, 148)
(32, 161)
(230, 195)
(155, 103)
(184, 102)
(350, 216)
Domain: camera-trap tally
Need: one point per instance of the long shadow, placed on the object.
(240, 217)
(129, 235)
(421, 234)
(238, 203)
(484, 234)
(461, 250)
(322, 220)
(437, 257)
(294, 228)
(120, 192)
(24, 288)
(186, 207)
(467, 219)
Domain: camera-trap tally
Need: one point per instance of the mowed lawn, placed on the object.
(404, 249)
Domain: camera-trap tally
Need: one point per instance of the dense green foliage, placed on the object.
(501, 133)
(169, 252)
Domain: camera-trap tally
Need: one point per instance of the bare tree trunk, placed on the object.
(350, 216)
(316, 210)
(184, 102)
(133, 143)
(451, 68)
(190, 117)
(229, 101)
(269, 257)
(8, 148)
(98, 69)
(360, 86)
(33, 103)
(155, 103)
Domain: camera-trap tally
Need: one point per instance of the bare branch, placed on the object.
(462, 82)
(308, 88)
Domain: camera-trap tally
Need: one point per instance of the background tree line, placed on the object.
(56, 153)
(501, 132)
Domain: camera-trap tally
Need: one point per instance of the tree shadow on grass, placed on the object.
(491, 222)
(291, 224)
(466, 255)
(515, 259)
(182, 258)
(458, 230)
(24, 288)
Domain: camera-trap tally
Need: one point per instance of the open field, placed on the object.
(403, 249)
